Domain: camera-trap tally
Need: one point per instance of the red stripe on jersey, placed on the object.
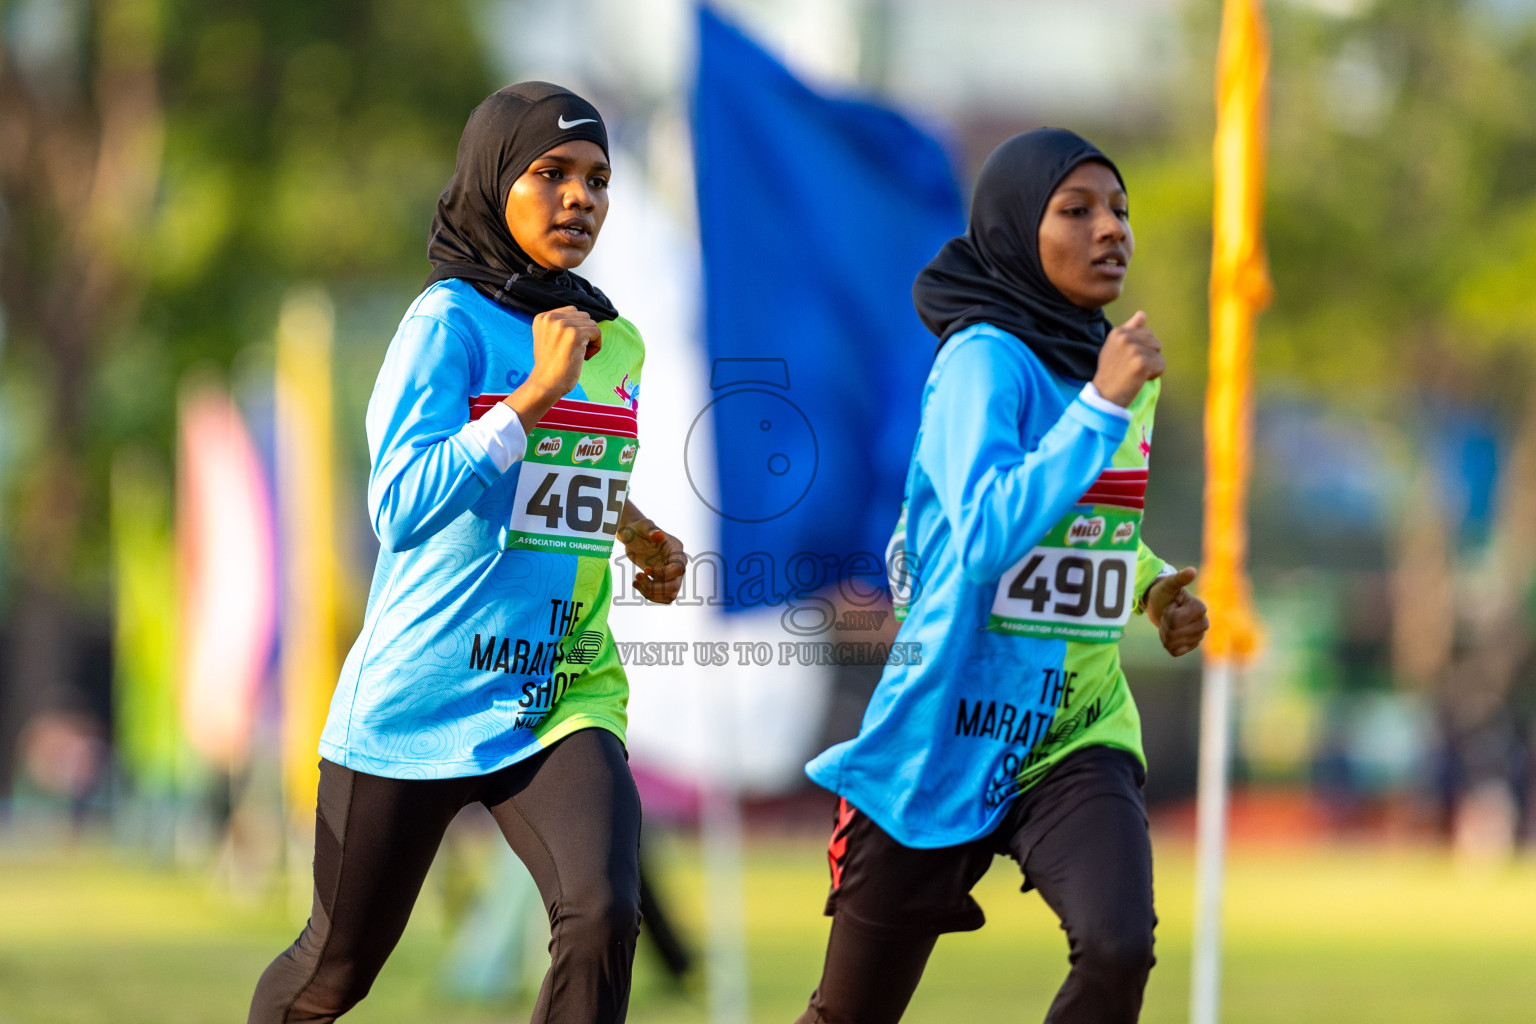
(573, 414)
(1120, 488)
(1110, 487)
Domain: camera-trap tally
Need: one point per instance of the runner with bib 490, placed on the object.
(1018, 561)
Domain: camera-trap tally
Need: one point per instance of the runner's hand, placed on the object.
(563, 339)
(1178, 615)
(660, 558)
(1131, 356)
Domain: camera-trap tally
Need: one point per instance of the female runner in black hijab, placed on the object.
(502, 432)
(1016, 733)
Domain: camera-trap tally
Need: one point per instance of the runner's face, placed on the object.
(556, 208)
(1085, 236)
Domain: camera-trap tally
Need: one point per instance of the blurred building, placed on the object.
(974, 67)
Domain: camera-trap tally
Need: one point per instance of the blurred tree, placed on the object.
(167, 170)
(1401, 169)
(1401, 217)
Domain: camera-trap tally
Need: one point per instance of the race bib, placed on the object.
(1078, 583)
(574, 477)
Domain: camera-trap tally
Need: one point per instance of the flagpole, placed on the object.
(1240, 287)
(1211, 839)
(724, 880)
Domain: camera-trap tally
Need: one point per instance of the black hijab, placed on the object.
(506, 133)
(992, 273)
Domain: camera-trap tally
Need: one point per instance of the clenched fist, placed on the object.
(563, 339)
(1131, 356)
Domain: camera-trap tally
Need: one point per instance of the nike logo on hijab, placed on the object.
(563, 123)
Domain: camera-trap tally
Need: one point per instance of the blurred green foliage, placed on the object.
(280, 142)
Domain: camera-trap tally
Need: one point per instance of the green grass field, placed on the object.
(1314, 935)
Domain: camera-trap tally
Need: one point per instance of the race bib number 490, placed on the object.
(574, 478)
(1079, 582)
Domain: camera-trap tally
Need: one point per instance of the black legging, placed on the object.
(571, 813)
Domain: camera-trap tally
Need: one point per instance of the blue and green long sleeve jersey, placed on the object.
(1023, 560)
(485, 637)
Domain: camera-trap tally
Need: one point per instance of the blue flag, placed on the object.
(815, 215)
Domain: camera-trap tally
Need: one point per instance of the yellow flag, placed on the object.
(305, 476)
(1240, 287)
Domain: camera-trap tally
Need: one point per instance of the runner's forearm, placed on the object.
(999, 496)
(428, 464)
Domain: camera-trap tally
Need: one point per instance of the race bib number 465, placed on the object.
(1078, 583)
(574, 478)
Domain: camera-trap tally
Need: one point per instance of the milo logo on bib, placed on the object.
(1079, 582)
(590, 449)
(1085, 530)
(574, 478)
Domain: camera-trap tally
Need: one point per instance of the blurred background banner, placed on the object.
(227, 591)
(1240, 288)
(815, 215)
(147, 731)
(306, 474)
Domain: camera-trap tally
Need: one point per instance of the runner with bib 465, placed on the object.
(501, 433)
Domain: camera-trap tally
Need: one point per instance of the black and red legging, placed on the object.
(1080, 837)
(571, 813)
